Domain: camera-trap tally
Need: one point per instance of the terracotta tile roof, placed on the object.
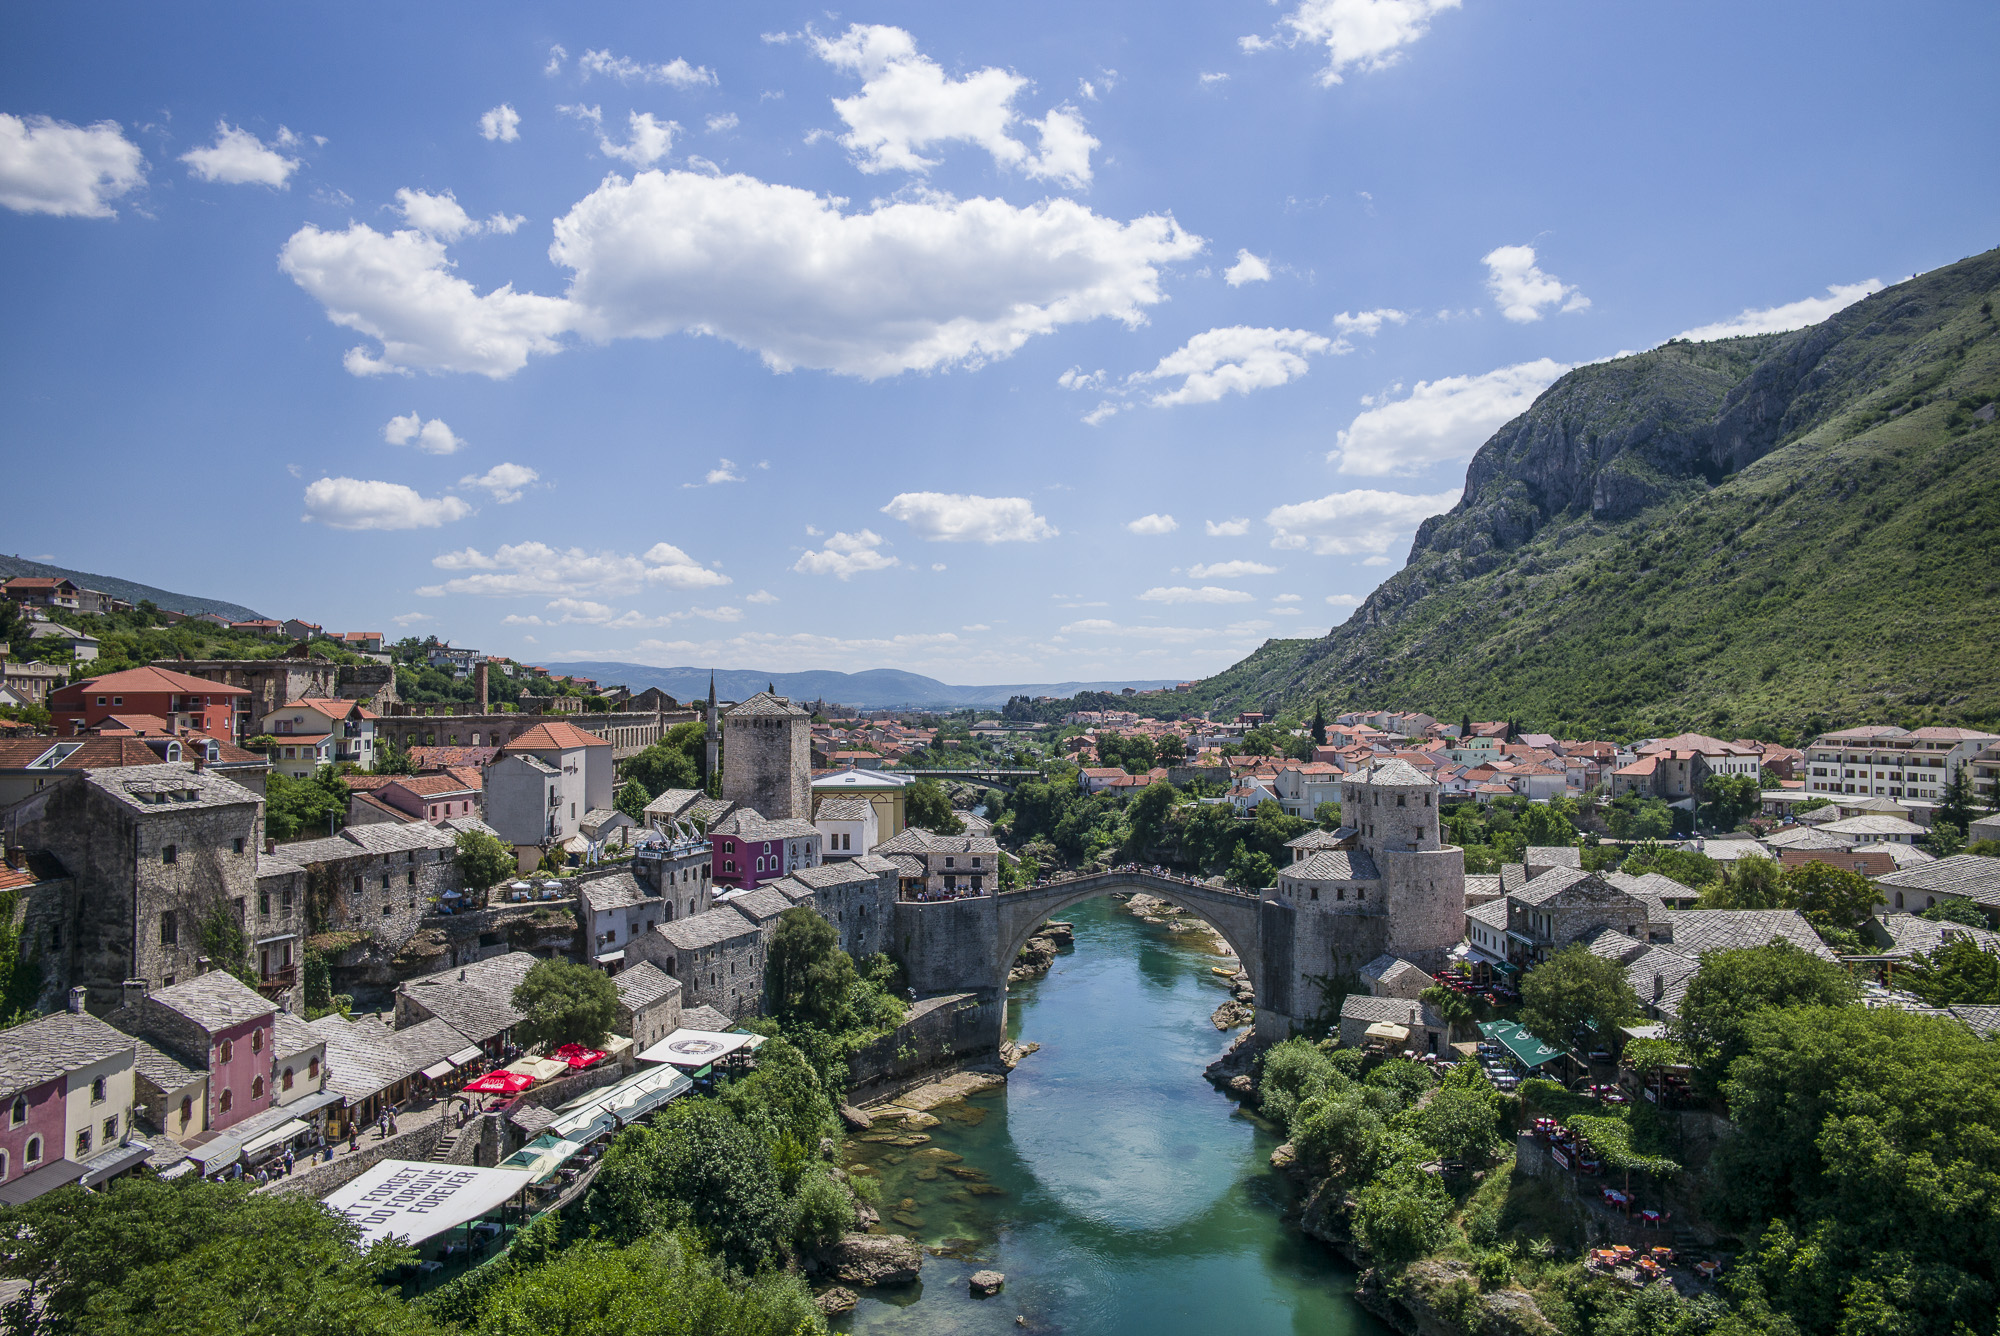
(428, 786)
(444, 758)
(137, 681)
(555, 737)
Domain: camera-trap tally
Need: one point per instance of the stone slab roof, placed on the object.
(1394, 1010)
(748, 824)
(290, 1034)
(873, 862)
(709, 928)
(1804, 837)
(1334, 865)
(170, 786)
(619, 890)
(706, 1018)
(1543, 886)
(1699, 930)
(764, 705)
(1911, 934)
(673, 802)
(48, 1046)
(162, 1069)
(643, 984)
(478, 1005)
(1651, 886)
(842, 873)
(1399, 774)
(1314, 839)
(1548, 856)
(365, 1057)
(1492, 914)
(1613, 945)
(1969, 876)
(1482, 883)
(1388, 970)
(843, 809)
(761, 905)
(1982, 1021)
(215, 1000)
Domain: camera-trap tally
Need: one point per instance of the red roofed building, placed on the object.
(546, 782)
(315, 731)
(187, 703)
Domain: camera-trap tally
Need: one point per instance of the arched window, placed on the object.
(256, 1087)
(312, 1070)
(187, 1110)
(256, 1041)
(228, 1098)
(20, 1112)
(227, 1051)
(285, 1082)
(33, 1155)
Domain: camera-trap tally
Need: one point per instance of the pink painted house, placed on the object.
(749, 850)
(66, 1098)
(213, 1023)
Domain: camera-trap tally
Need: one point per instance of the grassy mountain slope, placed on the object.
(1764, 535)
(128, 590)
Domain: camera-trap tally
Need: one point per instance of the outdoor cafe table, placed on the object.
(1614, 1197)
(1650, 1217)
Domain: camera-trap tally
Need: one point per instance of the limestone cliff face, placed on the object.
(1665, 520)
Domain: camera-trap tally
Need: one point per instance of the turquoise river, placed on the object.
(1119, 1193)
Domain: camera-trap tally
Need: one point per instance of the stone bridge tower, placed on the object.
(767, 764)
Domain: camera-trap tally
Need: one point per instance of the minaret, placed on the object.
(708, 775)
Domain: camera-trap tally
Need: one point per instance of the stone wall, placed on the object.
(627, 732)
(939, 1032)
(948, 945)
(445, 941)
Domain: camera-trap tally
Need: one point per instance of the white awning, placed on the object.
(282, 1132)
(463, 1056)
(1393, 1033)
(411, 1200)
(609, 956)
(695, 1048)
(437, 1071)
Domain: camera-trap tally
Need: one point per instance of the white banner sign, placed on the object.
(411, 1200)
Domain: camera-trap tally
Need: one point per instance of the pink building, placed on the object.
(749, 850)
(66, 1098)
(216, 1024)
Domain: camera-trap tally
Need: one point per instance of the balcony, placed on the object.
(279, 980)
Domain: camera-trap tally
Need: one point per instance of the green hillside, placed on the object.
(1760, 536)
(131, 591)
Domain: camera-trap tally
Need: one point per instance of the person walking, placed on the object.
(289, 1161)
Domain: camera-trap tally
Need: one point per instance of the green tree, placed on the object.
(1955, 804)
(1319, 725)
(1723, 1002)
(661, 1285)
(483, 861)
(660, 767)
(393, 760)
(148, 1255)
(1631, 819)
(1251, 869)
(1943, 839)
(304, 808)
(1864, 1172)
(1327, 815)
(1574, 991)
(1728, 800)
(1170, 749)
(1748, 883)
(806, 975)
(695, 1164)
(1550, 824)
(1958, 973)
(1462, 1120)
(631, 799)
(1147, 812)
(928, 807)
(1685, 866)
(1829, 896)
(1955, 910)
(1455, 1007)
(564, 1004)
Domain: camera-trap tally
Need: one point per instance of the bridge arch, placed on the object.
(1233, 914)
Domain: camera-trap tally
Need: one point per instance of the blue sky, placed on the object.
(1013, 343)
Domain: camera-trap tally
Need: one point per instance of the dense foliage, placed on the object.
(821, 999)
(1575, 997)
(928, 807)
(304, 809)
(564, 1003)
(483, 860)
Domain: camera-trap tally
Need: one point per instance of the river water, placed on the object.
(1119, 1193)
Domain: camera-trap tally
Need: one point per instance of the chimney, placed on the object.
(200, 759)
(135, 991)
(17, 857)
(479, 671)
(270, 845)
(1659, 985)
(76, 1000)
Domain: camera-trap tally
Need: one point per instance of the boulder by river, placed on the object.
(873, 1259)
(1232, 1015)
(1040, 953)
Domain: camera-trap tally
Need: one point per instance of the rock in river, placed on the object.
(985, 1283)
(836, 1301)
(856, 1120)
(874, 1259)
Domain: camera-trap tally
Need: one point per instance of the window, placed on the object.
(19, 1114)
(413, 878)
(239, 844)
(97, 1091)
(3, 1164)
(111, 1129)
(100, 700)
(257, 1087)
(228, 1098)
(187, 1110)
(83, 1143)
(169, 929)
(256, 1041)
(170, 854)
(264, 904)
(33, 1154)
(312, 1069)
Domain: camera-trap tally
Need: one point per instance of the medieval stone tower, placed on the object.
(1390, 887)
(767, 757)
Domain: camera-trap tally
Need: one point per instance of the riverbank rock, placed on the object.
(1284, 1156)
(856, 1120)
(1011, 1053)
(1062, 934)
(1232, 1015)
(1434, 1293)
(837, 1301)
(874, 1259)
(1034, 961)
(944, 1090)
(984, 1284)
(1236, 1060)
(1242, 1087)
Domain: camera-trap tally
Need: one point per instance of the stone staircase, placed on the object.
(441, 1153)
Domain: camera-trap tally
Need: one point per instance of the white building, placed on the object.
(1889, 761)
(545, 783)
(848, 827)
(315, 731)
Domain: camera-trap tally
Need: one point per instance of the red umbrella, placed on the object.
(501, 1083)
(576, 1055)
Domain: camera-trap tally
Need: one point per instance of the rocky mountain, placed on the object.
(1756, 535)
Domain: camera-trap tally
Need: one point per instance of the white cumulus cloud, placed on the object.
(410, 618)
(1235, 528)
(1440, 421)
(51, 166)
(1237, 359)
(1229, 570)
(1247, 269)
(502, 123)
(647, 141)
(537, 568)
(1792, 315)
(951, 517)
(432, 437)
(846, 555)
(1352, 523)
(352, 503)
(676, 72)
(761, 596)
(1367, 35)
(399, 290)
(504, 482)
(726, 121)
(1522, 289)
(1153, 524)
(1205, 594)
(907, 104)
(442, 217)
(239, 158)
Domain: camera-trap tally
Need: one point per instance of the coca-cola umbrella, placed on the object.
(576, 1055)
(500, 1083)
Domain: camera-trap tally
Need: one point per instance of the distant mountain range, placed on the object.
(876, 689)
(192, 605)
(1754, 536)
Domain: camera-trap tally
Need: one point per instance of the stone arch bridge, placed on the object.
(968, 945)
(992, 777)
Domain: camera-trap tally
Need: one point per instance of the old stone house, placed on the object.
(717, 956)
